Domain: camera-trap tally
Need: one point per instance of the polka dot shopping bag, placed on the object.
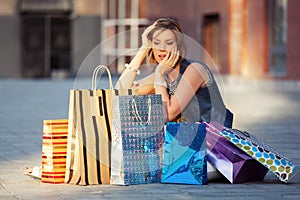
(280, 165)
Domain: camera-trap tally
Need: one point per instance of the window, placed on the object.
(277, 36)
(121, 22)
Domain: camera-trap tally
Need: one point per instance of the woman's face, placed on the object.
(163, 42)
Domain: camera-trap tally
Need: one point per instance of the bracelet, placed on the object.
(135, 83)
(127, 66)
(160, 83)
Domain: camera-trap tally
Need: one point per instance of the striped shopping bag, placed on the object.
(54, 150)
(89, 133)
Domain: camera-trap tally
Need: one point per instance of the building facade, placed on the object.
(249, 38)
(48, 38)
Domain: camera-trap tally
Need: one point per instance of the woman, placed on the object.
(188, 89)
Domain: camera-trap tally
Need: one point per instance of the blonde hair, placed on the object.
(170, 24)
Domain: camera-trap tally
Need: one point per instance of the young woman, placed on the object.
(188, 89)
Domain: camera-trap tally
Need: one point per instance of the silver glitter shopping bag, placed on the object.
(137, 139)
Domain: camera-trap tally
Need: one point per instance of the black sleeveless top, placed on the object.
(207, 104)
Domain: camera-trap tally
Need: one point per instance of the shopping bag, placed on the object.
(137, 139)
(234, 164)
(285, 170)
(89, 133)
(54, 150)
(184, 159)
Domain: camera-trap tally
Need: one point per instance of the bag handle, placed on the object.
(95, 74)
(136, 112)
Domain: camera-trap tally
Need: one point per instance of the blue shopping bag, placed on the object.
(184, 158)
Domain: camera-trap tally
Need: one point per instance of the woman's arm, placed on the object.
(193, 78)
(144, 86)
(129, 74)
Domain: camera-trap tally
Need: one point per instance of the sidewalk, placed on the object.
(268, 109)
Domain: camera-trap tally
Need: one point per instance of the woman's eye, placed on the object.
(170, 43)
(156, 43)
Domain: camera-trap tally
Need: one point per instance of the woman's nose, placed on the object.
(162, 47)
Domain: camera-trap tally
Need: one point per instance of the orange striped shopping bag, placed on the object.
(54, 150)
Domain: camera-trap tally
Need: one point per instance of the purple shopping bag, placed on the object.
(235, 165)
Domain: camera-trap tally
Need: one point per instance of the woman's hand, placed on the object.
(168, 62)
(146, 43)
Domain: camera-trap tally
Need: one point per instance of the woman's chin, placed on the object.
(158, 59)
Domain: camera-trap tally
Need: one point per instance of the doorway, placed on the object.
(211, 36)
(45, 38)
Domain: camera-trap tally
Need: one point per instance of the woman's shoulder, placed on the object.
(200, 67)
(195, 63)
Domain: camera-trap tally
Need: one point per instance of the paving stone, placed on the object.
(268, 109)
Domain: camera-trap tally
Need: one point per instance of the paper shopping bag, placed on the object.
(185, 160)
(54, 150)
(285, 170)
(234, 164)
(89, 133)
(137, 140)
